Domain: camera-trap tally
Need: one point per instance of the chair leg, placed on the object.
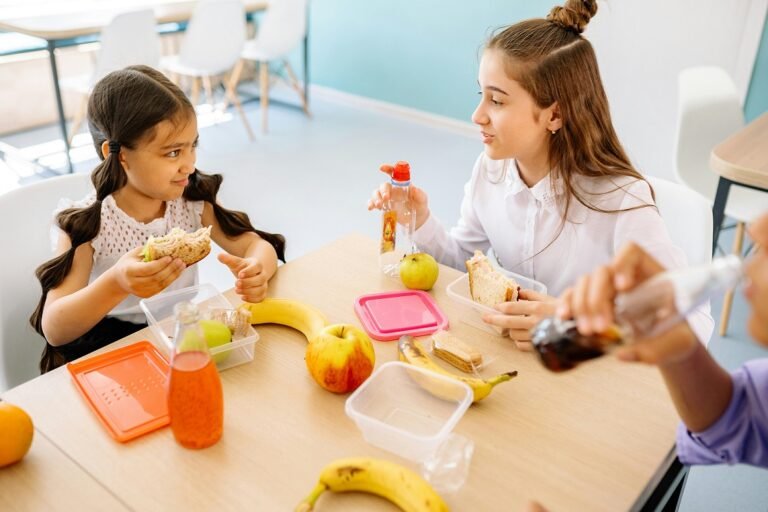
(234, 79)
(208, 87)
(297, 87)
(77, 121)
(195, 96)
(232, 95)
(264, 79)
(738, 243)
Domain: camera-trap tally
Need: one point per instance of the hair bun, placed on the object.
(574, 15)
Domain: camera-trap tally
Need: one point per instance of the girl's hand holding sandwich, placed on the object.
(144, 279)
(519, 316)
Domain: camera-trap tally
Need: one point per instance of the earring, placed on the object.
(554, 132)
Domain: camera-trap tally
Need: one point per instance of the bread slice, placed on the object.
(487, 285)
(189, 247)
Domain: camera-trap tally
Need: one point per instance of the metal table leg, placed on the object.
(59, 102)
(664, 490)
(718, 209)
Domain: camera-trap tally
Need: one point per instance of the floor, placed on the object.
(310, 180)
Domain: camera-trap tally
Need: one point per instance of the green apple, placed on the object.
(419, 271)
(216, 333)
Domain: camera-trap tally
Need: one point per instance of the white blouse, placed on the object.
(120, 233)
(523, 225)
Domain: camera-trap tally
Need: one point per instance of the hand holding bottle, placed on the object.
(417, 197)
(591, 303)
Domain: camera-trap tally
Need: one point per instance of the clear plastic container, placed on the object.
(160, 317)
(458, 290)
(407, 410)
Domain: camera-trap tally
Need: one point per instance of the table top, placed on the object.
(47, 479)
(743, 157)
(56, 20)
(589, 439)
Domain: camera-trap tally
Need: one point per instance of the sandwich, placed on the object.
(189, 247)
(487, 285)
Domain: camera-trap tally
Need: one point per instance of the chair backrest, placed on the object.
(283, 26)
(688, 217)
(709, 111)
(130, 38)
(28, 244)
(214, 37)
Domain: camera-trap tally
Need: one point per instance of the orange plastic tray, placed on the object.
(126, 388)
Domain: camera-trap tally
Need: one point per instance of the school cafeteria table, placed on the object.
(590, 439)
(741, 159)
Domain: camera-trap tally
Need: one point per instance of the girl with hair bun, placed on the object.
(554, 193)
(144, 130)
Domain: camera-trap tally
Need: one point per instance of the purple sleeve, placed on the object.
(740, 435)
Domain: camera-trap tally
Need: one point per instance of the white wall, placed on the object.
(641, 47)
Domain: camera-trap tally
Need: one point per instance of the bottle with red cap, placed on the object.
(398, 222)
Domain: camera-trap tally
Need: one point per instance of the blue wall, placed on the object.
(429, 60)
(757, 99)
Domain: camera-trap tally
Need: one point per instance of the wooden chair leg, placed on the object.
(208, 87)
(77, 121)
(264, 79)
(195, 96)
(297, 87)
(738, 243)
(234, 79)
(232, 96)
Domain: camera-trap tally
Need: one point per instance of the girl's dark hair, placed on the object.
(125, 107)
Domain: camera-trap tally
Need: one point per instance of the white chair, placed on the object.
(709, 112)
(130, 38)
(280, 31)
(28, 244)
(688, 218)
(210, 47)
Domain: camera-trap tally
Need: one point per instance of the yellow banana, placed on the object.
(292, 313)
(411, 351)
(391, 481)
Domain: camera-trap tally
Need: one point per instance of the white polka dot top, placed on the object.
(120, 233)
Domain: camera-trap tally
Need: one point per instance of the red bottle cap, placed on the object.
(402, 171)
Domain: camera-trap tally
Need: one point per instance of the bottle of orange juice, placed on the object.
(195, 398)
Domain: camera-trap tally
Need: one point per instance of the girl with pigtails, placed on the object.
(554, 194)
(145, 131)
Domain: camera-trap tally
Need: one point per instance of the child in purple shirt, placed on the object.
(725, 416)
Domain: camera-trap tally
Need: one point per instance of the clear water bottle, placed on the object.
(651, 309)
(398, 222)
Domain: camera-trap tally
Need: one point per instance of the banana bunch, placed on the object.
(410, 351)
(391, 481)
(302, 317)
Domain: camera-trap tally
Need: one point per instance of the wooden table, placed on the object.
(590, 439)
(47, 479)
(741, 159)
(58, 21)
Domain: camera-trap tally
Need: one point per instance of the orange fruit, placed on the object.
(15, 433)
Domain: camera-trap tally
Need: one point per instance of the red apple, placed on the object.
(340, 358)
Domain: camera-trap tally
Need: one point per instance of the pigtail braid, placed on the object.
(81, 225)
(205, 187)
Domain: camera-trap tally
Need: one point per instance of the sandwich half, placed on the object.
(189, 247)
(487, 285)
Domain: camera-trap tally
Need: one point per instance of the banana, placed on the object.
(292, 313)
(411, 351)
(391, 481)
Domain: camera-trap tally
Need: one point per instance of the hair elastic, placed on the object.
(114, 146)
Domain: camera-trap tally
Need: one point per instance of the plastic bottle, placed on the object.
(398, 222)
(195, 398)
(652, 308)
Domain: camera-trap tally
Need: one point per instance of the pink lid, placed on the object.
(388, 315)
